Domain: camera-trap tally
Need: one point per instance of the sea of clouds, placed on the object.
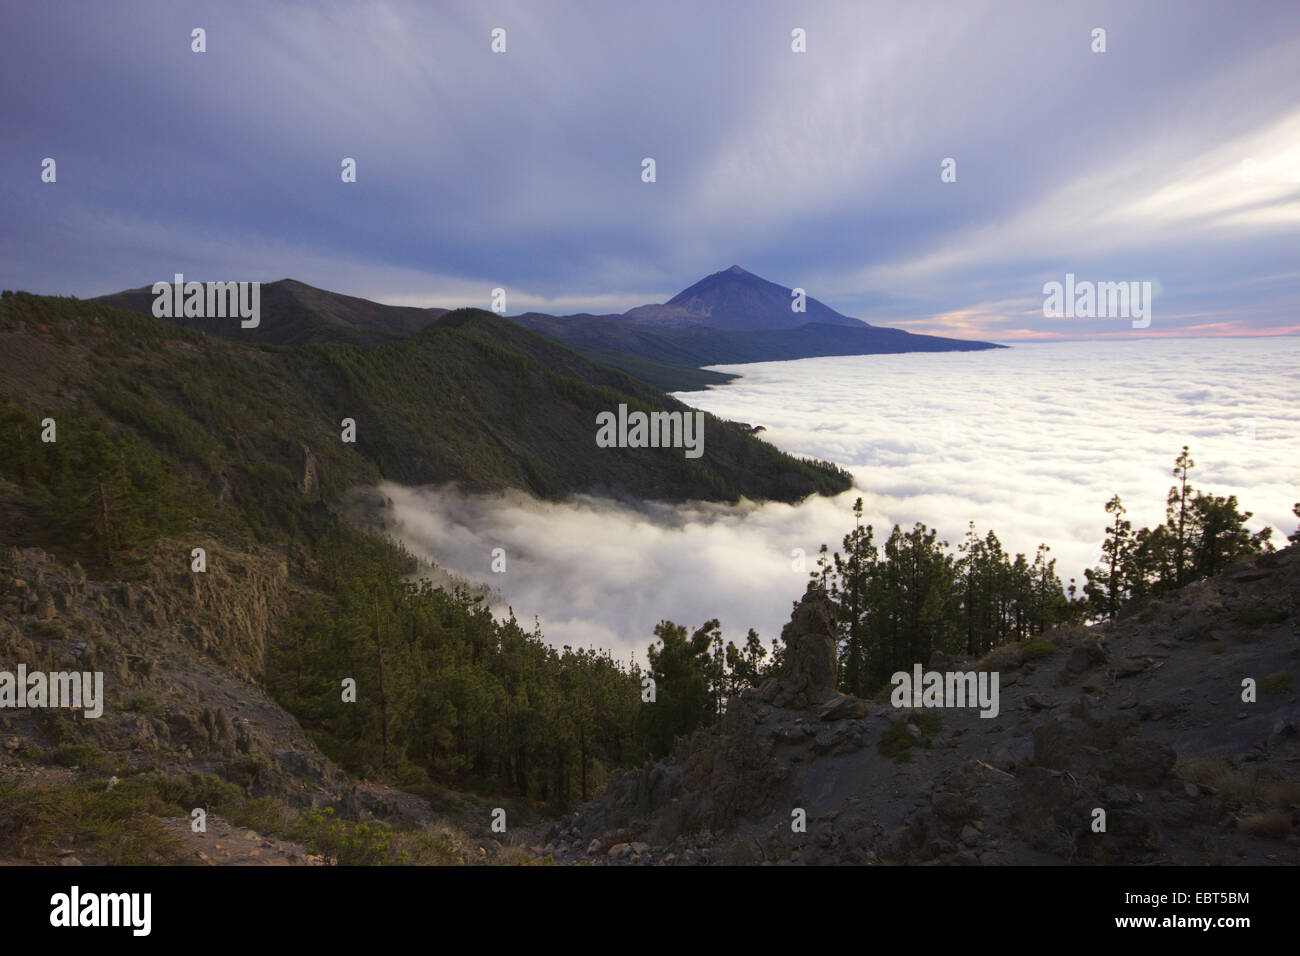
(1029, 441)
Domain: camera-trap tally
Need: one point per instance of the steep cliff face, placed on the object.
(1170, 736)
(227, 611)
(181, 653)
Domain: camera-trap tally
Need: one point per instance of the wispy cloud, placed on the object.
(522, 169)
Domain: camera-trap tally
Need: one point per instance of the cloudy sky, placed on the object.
(1173, 157)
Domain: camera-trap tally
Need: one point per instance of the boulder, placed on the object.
(842, 707)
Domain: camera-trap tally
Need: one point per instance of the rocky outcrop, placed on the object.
(744, 767)
(811, 668)
(181, 653)
(308, 479)
(1169, 736)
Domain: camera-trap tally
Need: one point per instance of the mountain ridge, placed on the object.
(729, 317)
(471, 398)
(303, 314)
(736, 300)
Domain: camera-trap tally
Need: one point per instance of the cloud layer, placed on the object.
(1030, 442)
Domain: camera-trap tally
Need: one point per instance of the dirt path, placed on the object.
(225, 844)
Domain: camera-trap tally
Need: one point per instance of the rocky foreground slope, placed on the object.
(182, 657)
(1143, 719)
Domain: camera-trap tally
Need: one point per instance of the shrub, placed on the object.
(1276, 683)
(1246, 786)
(84, 756)
(115, 826)
(1036, 648)
(142, 703)
(347, 842)
(1257, 615)
(896, 743)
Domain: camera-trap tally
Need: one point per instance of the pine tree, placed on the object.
(1176, 511)
(1105, 587)
(850, 588)
(1219, 535)
(681, 668)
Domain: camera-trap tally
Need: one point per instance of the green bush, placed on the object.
(1276, 684)
(84, 756)
(896, 743)
(1257, 615)
(142, 703)
(1036, 648)
(347, 842)
(116, 827)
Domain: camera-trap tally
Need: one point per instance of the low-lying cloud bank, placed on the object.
(1030, 442)
(603, 573)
